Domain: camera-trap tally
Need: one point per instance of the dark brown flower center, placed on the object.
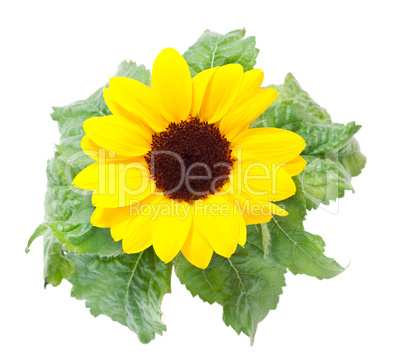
(190, 160)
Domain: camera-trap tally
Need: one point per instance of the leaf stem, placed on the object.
(266, 239)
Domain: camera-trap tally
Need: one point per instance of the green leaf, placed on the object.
(295, 205)
(131, 70)
(213, 49)
(301, 252)
(325, 177)
(128, 288)
(81, 238)
(332, 152)
(40, 230)
(321, 136)
(324, 180)
(72, 116)
(296, 249)
(350, 157)
(68, 210)
(68, 214)
(56, 266)
(73, 157)
(296, 111)
(291, 89)
(247, 285)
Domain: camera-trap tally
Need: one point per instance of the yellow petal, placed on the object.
(118, 134)
(114, 106)
(200, 82)
(102, 217)
(116, 185)
(134, 100)
(171, 227)
(196, 250)
(107, 217)
(138, 234)
(100, 154)
(257, 219)
(221, 92)
(88, 178)
(277, 210)
(118, 110)
(269, 182)
(121, 199)
(89, 147)
(218, 222)
(171, 85)
(267, 144)
(119, 228)
(243, 232)
(256, 211)
(295, 166)
(251, 82)
(245, 111)
(110, 176)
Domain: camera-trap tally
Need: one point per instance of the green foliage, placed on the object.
(86, 255)
(71, 117)
(56, 266)
(296, 249)
(67, 209)
(324, 180)
(300, 251)
(350, 157)
(213, 49)
(83, 238)
(247, 285)
(333, 158)
(130, 288)
(127, 288)
(332, 152)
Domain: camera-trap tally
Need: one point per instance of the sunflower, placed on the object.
(177, 166)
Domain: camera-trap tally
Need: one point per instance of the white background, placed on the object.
(346, 54)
